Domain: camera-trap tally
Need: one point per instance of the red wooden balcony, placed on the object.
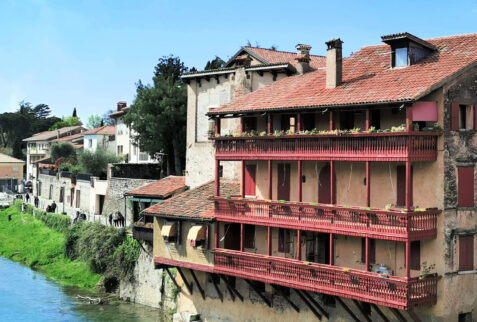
(364, 286)
(354, 221)
(389, 146)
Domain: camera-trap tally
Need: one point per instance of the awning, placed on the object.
(169, 229)
(146, 200)
(196, 233)
(424, 111)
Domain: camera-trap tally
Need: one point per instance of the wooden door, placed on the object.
(249, 179)
(283, 182)
(232, 236)
(401, 186)
(324, 186)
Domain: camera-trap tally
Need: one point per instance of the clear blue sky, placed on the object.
(90, 54)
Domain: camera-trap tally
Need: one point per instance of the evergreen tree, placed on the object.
(74, 113)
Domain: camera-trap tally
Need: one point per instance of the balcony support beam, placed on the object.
(286, 297)
(189, 286)
(231, 288)
(172, 277)
(219, 293)
(380, 313)
(398, 314)
(347, 309)
(360, 308)
(316, 304)
(232, 294)
(300, 190)
(201, 290)
(308, 303)
(269, 237)
(270, 179)
(298, 244)
(217, 178)
(368, 185)
(259, 293)
(413, 315)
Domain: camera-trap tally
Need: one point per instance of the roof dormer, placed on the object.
(407, 49)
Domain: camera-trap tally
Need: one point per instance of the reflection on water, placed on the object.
(28, 296)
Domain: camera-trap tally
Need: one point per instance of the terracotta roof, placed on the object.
(105, 130)
(119, 113)
(69, 138)
(48, 135)
(367, 79)
(8, 159)
(161, 188)
(276, 56)
(42, 160)
(194, 203)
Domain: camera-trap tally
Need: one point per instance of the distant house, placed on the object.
(103, 137)
(11, 171)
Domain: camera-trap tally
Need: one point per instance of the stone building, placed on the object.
(11, 171)
(357, 193)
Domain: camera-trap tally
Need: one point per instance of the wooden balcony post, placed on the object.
(243, 179)
(332, 255)
(269, 123)
(269, 237)
(300, 191)
(331, 121)
(408, 258)
(298, 244)
(332, 181)
(270, 179)
(217, 178)
(368, 185)
(367, 254)
(408, 186)
(241, 237)
(409, 118)
(298, 121)
(217, 126)
(367, 120)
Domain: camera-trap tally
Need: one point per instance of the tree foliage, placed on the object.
(64, 150)
(158, 114)
(94, 121)
(215, 63)
(96, 163)
(65, 122)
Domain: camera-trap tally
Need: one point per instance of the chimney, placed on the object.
(121, 105)
(334, 63)
(303, 58)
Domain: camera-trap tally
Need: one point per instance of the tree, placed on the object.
(74, 112)
(66, 121)
(96, 163)
(158, 114)
(215, 63)
(106, 119)
(94, 121)
(64, 150)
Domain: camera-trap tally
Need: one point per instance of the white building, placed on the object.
(102, 137)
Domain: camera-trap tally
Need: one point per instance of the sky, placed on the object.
(90, 54)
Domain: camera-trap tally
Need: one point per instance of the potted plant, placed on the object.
(426, 270)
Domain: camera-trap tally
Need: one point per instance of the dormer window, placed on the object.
(400, 57)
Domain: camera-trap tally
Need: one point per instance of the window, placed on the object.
(62, 193)
(415, 262)
(465, 317)
(120, 149)
(78, 199)
(249, 236)
(400, 57)
(50, 194)
(143, 156)
(283, 240)
(465, 186)
(371, 250)
(90, 143)
(462, 117)
(466, 253)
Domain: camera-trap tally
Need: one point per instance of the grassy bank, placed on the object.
(28, 240)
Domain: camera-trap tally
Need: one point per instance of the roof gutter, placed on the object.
(181, 217)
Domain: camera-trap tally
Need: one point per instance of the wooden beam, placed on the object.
(172, 277)
(347, 309)
(360, 308)
(398, 314)
(380, 313)
(201, 290)
(232, 294)
(367, 120)
(254, 287)
(331, 121)
(269, 123)
(189, 286)
(316, 304)
(409, 118)
(285, 296)
(413, 315)
(298, 125)
(232, 288)
(219, 293)
(310, 306)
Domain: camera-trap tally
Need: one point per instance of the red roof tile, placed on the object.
(194, 203)
(367, 79)
(275, 56)
(69, 138)
(161, 188)
(107, 130)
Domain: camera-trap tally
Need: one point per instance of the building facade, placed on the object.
(103, 138)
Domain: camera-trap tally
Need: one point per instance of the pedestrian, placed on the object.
(110, 219)
(37, 201)
(27, 198)
(53, 207)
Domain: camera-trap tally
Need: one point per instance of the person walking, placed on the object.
(37, 202)
(27, 198)
(53, 207)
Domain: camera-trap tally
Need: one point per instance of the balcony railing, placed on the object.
(389, 146)
(355, 221)
(143, 233)
(370, 287)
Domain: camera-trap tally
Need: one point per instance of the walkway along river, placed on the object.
(26, 295)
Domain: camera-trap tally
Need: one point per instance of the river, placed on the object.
(26, 295)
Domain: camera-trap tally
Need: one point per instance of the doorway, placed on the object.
(249, 180)
(232, 236)
(283, 182)
(318, 247)
(324, 189)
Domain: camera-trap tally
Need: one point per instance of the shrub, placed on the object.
(57, 222)
(97, 162)
(63, 150)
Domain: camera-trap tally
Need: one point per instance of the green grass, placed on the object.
(28, 240)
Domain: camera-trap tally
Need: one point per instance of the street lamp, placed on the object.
(63, 186)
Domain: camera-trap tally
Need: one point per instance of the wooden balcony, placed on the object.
(354, 221)
(354, 284)
(389, 146)
(143, 233)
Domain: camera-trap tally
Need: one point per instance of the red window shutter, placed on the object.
(401, 185)
(371, 251)
(455, 117)
(415, 262)
(250, 173)
(465, 186)
(466, 253)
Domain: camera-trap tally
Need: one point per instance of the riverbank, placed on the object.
(29, 241)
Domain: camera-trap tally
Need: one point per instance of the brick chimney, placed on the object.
(303, 58)
(121, 105)
(334, 63)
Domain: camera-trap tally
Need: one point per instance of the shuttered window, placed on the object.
(465, 187)
(455, 117)
(466, 253)
(401, 186)
(283, 240)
